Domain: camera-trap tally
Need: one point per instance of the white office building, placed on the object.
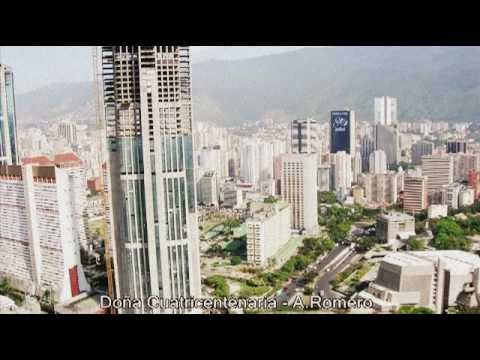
(378, 162)
(299, 190)
(268, 229)
(385, 110)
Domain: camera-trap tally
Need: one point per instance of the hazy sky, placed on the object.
(38, 66)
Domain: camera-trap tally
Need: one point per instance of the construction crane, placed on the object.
(101, 149)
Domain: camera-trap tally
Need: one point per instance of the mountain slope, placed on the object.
(440, 83)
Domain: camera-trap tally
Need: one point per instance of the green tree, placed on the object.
(327, 198)
(270, 200)
(415, 245)
(414, 310)
(365, 243)
(236, 260)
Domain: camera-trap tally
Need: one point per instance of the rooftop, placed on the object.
(397, 216)
(456, 261)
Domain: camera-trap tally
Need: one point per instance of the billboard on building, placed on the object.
(340, 131)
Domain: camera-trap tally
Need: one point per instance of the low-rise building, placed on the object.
(433, 279)
(395, 228)
(466, 197)
(437, 211)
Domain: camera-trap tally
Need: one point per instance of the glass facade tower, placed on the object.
(150, 183)
(8, 125)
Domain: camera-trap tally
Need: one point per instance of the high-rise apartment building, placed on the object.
(304, 136)
(151, 187)
(455, 147)
(419, 149)
(385, 110)
(9, 154)
(378, 162)
(415, 195)
(38, 236)
(299, 190)
(387, 139)
(439, 171)
(268, 229)
(367, 146)
(342, 132)
(342, 174)
(208, 189)
(380, 190)
(463, 164)
(68, 131)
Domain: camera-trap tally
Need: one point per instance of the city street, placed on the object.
(323, 283)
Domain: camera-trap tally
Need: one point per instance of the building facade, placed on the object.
(299, 190)
(151, 185)
(385, 110)
(343, 132)
(38, 243)
(268, 229)
(9, 153)
(415, 195)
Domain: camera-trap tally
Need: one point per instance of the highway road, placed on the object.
(323, 283)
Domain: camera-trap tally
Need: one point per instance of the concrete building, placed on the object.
(463, 164)
(323, 178)
(367, 146)
(343, 132)
(395, 229)
(378, 162)
(415, 196)
(420, 149)
(151, 184)
(385, 110)
(9, 153)
(356, 167)
(457, 146)
(75, 169)
(387, 139)
(439, 171)
(208, 189)
(299, 190)
(449, 195)
(466, 197)
(304, 137)
(437, 211)
(433, 279)
(342, 174)
(380, 189)
(68, 131)
(268, 229)
(38, 236)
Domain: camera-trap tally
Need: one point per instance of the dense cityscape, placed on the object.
(148, 211)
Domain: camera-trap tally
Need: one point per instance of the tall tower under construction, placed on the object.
(150, 171)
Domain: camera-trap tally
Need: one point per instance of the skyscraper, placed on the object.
(342, 132)
(439, 171)
(304, 136)
(367, 147)
(415, 198)
(299, 189)
(151, 186)
(387, 139)
(378, 162)
(8, 125)
(343, 174)
(458, 146)
(419, 149)
(385, 110)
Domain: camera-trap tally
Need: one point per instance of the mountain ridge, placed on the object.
(439, 83)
